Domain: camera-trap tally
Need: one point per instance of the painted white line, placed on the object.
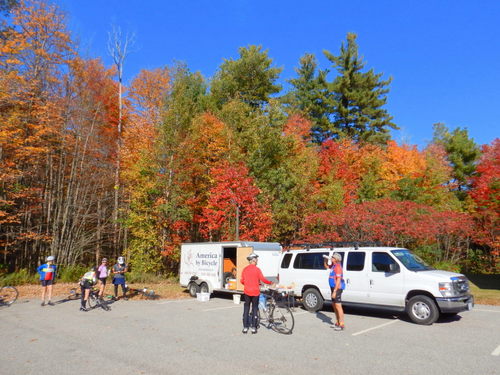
(221, 308)
(497, 311)
(177, 301)
(496, 352)
(376, 327)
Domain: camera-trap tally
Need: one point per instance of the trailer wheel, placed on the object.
(204, 288)
(193, 289)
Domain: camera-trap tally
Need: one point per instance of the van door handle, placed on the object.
(371, 282)
(347, 281)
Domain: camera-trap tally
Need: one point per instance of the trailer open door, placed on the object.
(241, 262)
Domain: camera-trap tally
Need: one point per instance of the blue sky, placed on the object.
(443, 55)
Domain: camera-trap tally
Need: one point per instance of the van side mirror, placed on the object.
(394, 268)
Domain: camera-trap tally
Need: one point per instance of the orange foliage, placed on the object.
(402, 161)
(147, 94)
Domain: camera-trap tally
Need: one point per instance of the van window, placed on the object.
(381, 262)
(355, 261)
(310, 261)
(285, 263)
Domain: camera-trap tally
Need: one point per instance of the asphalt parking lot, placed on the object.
(191, 337)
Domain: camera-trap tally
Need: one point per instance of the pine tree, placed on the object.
(310, 96)
(357, 98)
(462, 153)
(249, 78)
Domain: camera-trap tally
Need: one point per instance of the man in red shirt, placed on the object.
(251, 278)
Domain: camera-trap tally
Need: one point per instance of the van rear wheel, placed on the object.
(422, 310)
(312, 300)
(193, 289)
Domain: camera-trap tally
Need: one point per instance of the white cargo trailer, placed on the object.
(206, 267)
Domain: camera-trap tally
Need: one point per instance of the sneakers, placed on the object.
(42, 304)
(245, 330)
(254, 330)
(84, 309)
(50, 303)
(339, 327)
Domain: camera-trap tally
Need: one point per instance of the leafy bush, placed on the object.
(447, 266)
(479, 262)
(141, 277)
(70, 274)
(19, 278)
(431, 254)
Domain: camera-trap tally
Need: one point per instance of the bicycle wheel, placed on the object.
(257, 319)
(8, 294)
(282, 320)
(92, 300)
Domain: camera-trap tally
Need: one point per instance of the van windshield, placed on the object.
(411, 261)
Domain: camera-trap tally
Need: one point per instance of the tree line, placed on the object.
(89, 168)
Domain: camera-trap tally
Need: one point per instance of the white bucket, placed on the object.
(236, 299)
(203, 297)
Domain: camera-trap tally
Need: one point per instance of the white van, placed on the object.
(206, 267)
(385, 278)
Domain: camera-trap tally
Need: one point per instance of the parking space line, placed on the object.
(496, 352)
(376, 327)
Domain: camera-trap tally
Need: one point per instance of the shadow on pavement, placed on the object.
(324, 318)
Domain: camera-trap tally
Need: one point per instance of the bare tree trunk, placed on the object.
(118, 48)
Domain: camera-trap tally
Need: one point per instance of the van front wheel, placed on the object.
(312, 300)
(422, 310)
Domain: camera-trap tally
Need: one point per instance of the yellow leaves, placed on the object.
(402, 161)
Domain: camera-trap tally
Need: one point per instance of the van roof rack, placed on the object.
(355, 244)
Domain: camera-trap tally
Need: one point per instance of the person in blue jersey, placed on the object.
(47, 272)
(337, 286)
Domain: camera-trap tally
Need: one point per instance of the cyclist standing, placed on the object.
(337, 286)
(119, 270)
(47, 273)
(103, 274)
(251, 278)
(86, 283)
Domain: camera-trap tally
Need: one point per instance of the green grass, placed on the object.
(485, 288)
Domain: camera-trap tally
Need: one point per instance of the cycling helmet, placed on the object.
(252, 256)
(50, 258)
(121, 260)
(337, 256)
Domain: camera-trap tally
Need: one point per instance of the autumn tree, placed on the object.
(233, 211)
(35, 51)
(485, 193)
(144, 183)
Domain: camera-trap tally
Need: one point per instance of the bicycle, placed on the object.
(95, 301)
(8, 295)
(275, 312)
(73, 294)
(145, 292)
